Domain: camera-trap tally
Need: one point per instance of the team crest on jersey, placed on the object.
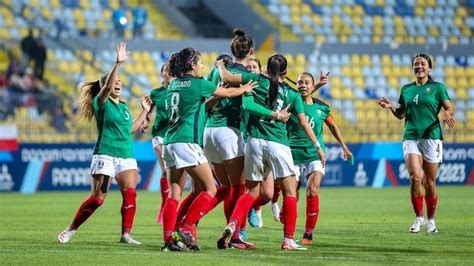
(428, 89)
(127, 116)
(319, 112)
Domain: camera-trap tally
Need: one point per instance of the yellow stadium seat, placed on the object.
(461, 92)
(461, 11)
(419, 11)
(316, 19)
(453, 40)
(355, 58)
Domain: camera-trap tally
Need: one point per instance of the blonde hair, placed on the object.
(87, 91)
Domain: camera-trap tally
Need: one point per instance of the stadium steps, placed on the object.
(286, 34)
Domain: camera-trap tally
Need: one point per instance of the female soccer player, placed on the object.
(185, 101)
(160, 124)
(255, 214)
(306, 159)
(267, 147)
(223, 142)
(420, 103)
(113, 152)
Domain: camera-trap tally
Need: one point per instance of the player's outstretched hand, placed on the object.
(122, 53)
(384, 103)
(449, 120)
(249, 86)
(146, 103)
(323, 79)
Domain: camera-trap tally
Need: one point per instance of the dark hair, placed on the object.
(428, 59)
(181, 62)
(276, 67)
(241, 43)
(224, 57)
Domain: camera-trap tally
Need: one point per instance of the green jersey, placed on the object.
(227, 112)
(422, 105)
(158, 97)
(185, 104)
(265, 128)
(302, 149)
(114, 125)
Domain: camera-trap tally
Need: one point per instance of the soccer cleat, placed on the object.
(127, 239)
(276, 211)
(159, 218)
(240, 244)
(66, 235)
(307, 239)
(224, 239)
(416, 226)
(167, 247)
(187, 238)
(431, 226)
(243, 234)
(252, 218)
(290, 244)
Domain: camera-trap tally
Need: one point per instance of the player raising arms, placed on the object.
(185, 102)
(419, 103)
(267, 147)
(113, 152)
(306, 159)
(158, 97)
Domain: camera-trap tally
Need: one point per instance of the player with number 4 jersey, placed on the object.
(420, 103)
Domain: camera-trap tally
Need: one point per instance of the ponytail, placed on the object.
(276, 67)
(182, 62)
(87, 92)
(241, 44)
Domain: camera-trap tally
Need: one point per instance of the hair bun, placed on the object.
(239, 32)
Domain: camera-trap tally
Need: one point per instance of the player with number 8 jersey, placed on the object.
(185, 103)
(419, 103)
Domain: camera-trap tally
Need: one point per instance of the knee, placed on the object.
(265, 197)
(430, 184)
(312, 189)
(211, 190)
(416, 176)
(129, 193)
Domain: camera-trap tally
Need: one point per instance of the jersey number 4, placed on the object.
(415, 100)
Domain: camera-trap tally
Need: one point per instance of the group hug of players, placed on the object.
(250, 132)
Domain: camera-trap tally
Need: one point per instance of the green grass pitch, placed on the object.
(356, 226)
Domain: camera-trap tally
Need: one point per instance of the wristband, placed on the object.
(317, 145)
(278, 115)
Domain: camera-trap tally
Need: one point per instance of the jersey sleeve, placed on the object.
(254, 108)
(207, 88)
(298, 106)
(443, 93)
(247, 77)
(95, 103)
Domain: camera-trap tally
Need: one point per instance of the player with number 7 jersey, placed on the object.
(267, 148)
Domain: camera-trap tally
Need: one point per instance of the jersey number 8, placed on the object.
(174, 117)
